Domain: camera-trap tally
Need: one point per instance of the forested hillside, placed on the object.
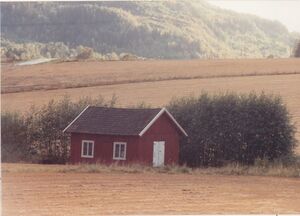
(11, 51)
(165, 29)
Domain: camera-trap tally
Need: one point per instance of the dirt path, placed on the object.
(147, 193)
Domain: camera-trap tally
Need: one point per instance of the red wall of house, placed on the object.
(103, 148)
(139, 149)
(162, 130)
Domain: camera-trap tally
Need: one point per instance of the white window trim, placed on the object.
(93, 146)
(119, 158)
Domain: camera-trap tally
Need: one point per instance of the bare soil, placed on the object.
(52, 193)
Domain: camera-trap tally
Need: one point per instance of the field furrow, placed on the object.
(63, 75)
(146, 193)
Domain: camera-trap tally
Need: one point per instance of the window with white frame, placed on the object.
(119, 151)
(87, 149)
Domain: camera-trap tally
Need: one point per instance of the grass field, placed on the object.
(85, 74)
(152, 82)
(27, 189)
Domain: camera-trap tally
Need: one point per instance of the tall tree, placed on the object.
(297, 50)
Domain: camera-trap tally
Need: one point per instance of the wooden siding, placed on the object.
(139, 149)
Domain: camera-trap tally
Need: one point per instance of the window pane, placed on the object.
(117, 149)
(90, 149)
(122, 151)
(85, 148)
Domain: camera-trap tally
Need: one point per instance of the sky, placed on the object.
(285, 11)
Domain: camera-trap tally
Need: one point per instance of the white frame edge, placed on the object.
(87, 141)
(76, 118)
(152, 122)
(174, 120)
(157, 116)
(114, 146)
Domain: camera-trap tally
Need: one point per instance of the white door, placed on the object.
(158, 153)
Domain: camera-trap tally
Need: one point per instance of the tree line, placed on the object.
(37, 136)
(229, 127)
(222, 128)
(12, 51)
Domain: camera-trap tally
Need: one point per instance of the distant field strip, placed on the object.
(64, 75)
(23, 88)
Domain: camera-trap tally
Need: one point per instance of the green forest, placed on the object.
(150, 29)
(12, 51)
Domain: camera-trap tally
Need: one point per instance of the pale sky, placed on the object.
(285, 11)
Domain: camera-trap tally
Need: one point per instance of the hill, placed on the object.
(153, 29)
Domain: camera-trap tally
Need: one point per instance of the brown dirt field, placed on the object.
(52, 193)
(74, 74)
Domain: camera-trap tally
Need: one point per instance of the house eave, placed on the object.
(162, 111)
(76, 118)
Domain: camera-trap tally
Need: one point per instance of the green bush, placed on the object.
(229, 128)
(297, 50)
(37, 136)
(13, 138)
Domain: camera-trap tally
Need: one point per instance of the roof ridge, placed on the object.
(125, 108)
(117, 121)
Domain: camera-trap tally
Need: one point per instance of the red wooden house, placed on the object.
(107, 135)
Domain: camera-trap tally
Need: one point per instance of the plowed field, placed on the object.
(52, 193)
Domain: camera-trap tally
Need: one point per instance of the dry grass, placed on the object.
(232, 169)
(86, 74)
(89, 192)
